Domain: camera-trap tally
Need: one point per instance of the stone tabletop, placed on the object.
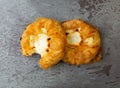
(17, 71)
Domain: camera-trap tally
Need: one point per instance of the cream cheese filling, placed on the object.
(74, 38)
(39, 42)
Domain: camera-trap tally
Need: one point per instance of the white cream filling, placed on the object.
(74, 38)
(40, 43)
(89, 41)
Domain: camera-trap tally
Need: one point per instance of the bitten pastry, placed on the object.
(46, 37)
(83, 42)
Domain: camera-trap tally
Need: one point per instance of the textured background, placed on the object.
(17, 71)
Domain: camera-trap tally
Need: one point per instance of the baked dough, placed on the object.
(46, 37)
(83, 42)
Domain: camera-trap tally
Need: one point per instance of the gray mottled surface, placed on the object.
(16, 71)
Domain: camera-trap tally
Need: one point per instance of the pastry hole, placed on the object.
(49, 39)
(49, 45)
(20, 38)
(77, 29)
(47, 50)
(66, 33)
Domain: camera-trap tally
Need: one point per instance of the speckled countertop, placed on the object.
(17, 71)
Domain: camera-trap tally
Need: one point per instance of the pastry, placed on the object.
(83, 42)
(46, 37)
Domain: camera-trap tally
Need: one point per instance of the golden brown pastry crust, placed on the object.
(97, 57)
(57, 41)
(84, 52)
